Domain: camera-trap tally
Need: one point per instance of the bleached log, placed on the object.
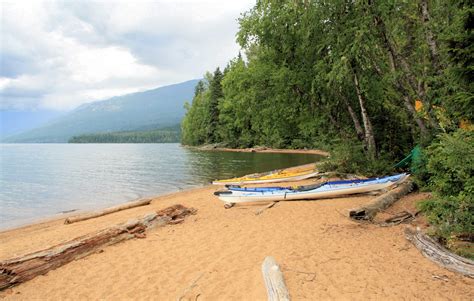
(24, 268)
(382, 202)
(438, 254)
(86, 216)
(274, 282)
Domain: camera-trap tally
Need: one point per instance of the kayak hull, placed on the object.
(297, 177)
(325, 191)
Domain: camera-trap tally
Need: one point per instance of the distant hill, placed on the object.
(152, 109)
(165, 135)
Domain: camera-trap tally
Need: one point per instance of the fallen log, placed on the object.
(440, 255)
(24, 268)
(382, 202)
(86, 216)
(274, 282)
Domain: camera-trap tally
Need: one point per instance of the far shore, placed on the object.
(210, 147)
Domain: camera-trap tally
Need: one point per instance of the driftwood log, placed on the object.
(440, 255)
(24, 268)
(274, 282)
(382, 202)
(83, 217)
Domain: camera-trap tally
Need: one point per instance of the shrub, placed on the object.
(451, 168)
(350, 157)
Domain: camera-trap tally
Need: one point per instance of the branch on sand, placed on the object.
(440, 255)
(24, 268)
(83, 217)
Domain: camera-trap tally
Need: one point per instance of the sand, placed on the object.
(261, 150)
(322, 253)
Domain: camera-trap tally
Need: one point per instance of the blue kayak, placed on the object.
(237, 194)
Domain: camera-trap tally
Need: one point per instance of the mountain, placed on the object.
(13, 121)
(152, 109)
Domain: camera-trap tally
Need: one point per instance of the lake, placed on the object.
(43, 180)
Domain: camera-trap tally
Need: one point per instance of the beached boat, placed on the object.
(236, 194)
(284, 175)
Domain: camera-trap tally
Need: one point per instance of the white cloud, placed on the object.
(60, 54)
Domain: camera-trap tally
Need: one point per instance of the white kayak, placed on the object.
(325, 190)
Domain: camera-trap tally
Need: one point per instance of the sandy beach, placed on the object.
(323, 255)
(261, 150)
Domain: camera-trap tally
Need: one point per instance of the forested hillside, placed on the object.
(167, 135)
(367, 80)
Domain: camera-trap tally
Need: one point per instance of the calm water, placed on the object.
(42, 180)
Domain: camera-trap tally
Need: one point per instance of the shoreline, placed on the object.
(65, 215)
(210, 147)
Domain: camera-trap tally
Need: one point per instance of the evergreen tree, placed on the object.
(215, 95)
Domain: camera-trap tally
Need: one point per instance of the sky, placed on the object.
(57, 55)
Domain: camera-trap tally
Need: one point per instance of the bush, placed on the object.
(419, 169)
(451, 168)
(350, 157)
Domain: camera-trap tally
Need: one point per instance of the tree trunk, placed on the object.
(434, 55)
(369, 133)
(430, 39)
(406, 99)
(435, 252)
(24, 268)
(382, 202)
(395, 60)
(404, 92)
(355, 120)
(353, 114)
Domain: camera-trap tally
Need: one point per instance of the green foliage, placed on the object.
(454, 86)
(195, 123)
(170, 135)
(350, 157)
(451, 169)
(297, 82)
(215, 96)
(451, 163)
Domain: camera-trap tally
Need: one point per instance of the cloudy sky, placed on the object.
(59, 54)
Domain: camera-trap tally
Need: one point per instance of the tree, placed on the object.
(215, 95)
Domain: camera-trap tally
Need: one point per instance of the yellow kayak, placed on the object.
(283, 175)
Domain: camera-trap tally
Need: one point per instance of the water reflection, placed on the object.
(208, 166)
